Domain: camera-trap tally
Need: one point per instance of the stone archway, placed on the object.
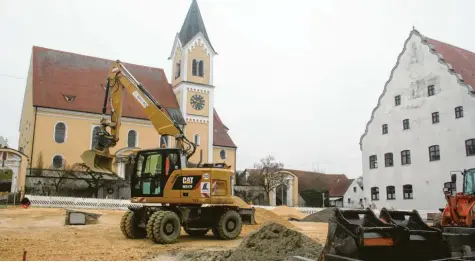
(288, 190)
(17, 162)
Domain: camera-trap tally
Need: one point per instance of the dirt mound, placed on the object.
(272, 242)
(322, 216)
(275, 242)
(264, 216)
(288, 212)
(240, 203)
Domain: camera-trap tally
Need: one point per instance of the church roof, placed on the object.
(58, 75)
(193, 25)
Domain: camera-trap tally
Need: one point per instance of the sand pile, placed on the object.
(240, 203)
(264, 216)
(272, 242)
(322, 216)
(288, 212)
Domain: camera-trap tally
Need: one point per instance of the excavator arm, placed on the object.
(119, 82)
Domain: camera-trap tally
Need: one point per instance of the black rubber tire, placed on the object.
(195, 232)
(163, 222)
(436, 222)
(129, 226)
(150, 222)
(226, 231)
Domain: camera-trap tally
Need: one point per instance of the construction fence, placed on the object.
(122, 204)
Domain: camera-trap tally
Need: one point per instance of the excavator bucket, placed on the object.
(424, 242)
(357, 234)
(97, 162)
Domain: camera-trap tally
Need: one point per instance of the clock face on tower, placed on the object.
(197, 102)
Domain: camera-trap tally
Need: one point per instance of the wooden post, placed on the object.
(24, 255)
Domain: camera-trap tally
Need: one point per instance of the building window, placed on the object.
(434, 153)
(430, 90)
(194, 70)
(397, 100)
(405, 157)
(374, 193)
(388, 159)
(458, 112)
(95, 132)
(60, 132)
(58, 161)
(354, 189)
(435, 117)
(222, 154)
(470, 147)
(390, 192)
(385, 128)
(407, 191)
(197, 139)
(349, 200)
(405, 124)
(178, 69)
(373, 161)
(164, 141)
(132, 138)
(201, 70)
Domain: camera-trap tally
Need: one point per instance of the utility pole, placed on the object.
(323, 200)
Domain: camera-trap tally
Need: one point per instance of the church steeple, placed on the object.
(193, 25)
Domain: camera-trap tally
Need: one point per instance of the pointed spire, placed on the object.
(193, 25)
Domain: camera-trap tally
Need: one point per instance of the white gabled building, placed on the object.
(422, 126)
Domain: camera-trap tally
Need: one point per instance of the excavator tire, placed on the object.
(229, 226)
(195, 232)
(150, 222)
(437, 221)
(129, 226)
(166, 227)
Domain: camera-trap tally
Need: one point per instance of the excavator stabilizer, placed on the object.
(97, 162)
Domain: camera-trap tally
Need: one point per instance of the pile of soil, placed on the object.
(288, 212)
(240, 203)
(263, 216)
(322, 216)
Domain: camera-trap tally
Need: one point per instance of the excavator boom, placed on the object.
(119, 82)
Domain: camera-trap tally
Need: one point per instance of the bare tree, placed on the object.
(95, 181)
(359, 180)
(268, 174)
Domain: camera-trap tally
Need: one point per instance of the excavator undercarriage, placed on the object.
(358, 234)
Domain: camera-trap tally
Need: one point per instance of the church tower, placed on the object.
(192, 81)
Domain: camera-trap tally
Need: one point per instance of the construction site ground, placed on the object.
(42, 233)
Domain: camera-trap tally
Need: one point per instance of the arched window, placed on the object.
(164, 141)
(132, 138)
(194, 68)
(58, 161)
(222, 154)
(390, 192)
(197, 139)
(60, 132)
(374, 193)
(201, 68)
(470, 147)
(95, 132)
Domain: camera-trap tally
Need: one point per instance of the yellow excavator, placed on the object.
(171, 191)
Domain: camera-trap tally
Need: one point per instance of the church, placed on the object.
(64, 94)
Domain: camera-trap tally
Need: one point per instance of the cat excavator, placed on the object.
(402, 235)
(169, 191)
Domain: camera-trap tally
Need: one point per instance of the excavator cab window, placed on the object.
(469, 182)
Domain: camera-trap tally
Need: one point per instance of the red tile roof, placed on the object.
(57, 74)
(461, 60)
(221, 136)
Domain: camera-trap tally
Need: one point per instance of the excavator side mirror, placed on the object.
(453, 178)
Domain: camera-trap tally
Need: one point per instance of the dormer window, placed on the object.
(69, 98)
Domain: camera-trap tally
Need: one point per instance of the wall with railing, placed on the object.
(120, 204)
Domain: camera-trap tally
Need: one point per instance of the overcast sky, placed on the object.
(296, 79)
